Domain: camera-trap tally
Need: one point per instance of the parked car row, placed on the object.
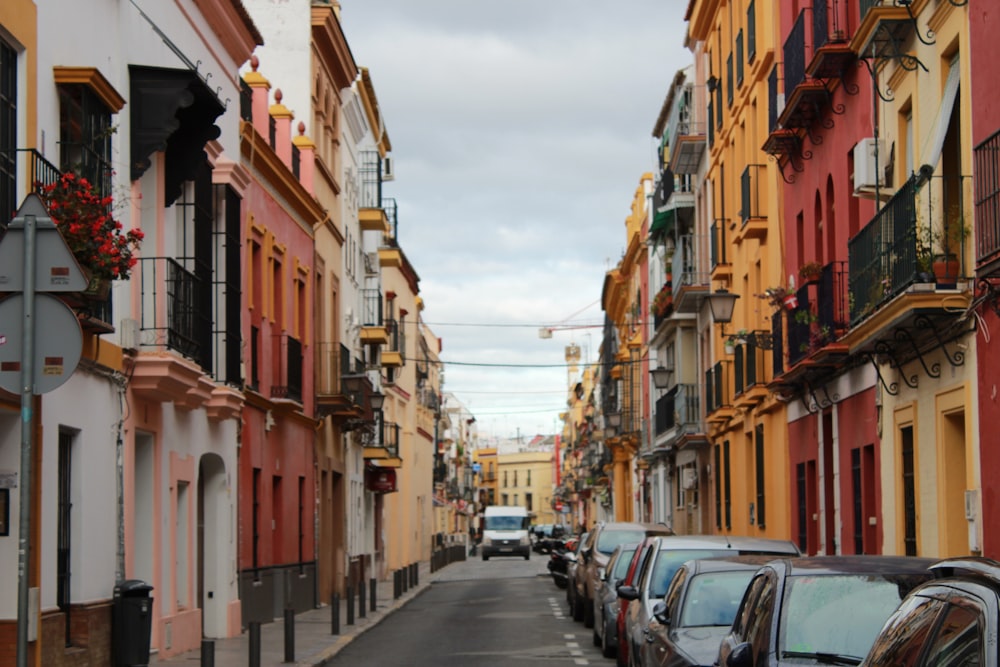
(663, 600)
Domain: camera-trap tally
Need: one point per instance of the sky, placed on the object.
(519, 131)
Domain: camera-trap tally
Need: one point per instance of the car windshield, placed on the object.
(713, 598)
(506, 522)
(609, 539)
(837, 615)
(621, 564)
(667, 562)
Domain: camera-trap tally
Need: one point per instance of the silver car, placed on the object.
(606, 599)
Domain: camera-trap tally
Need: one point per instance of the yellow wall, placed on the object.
(528, 473)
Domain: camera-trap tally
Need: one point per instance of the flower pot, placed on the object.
(98, 289)
(946, 269)
(729, 348)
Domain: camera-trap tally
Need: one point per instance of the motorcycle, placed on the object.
(560, 557)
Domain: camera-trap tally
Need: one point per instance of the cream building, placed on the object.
(527, 479)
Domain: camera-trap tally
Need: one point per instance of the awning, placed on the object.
(932, 150)
(663, 223)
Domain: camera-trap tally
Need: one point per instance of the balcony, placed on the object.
(718, 395)
(332, 398)
(749, 386)
(686, 132)
(392, 354)
(373, 329)
(174, 313)
(381, 443)
(885, 26)
(678, 416)
(753, 213)
(673, 206)
(805, 98)
(722, 269)
(371, 215)
(286, 355)
(832, 53)
(987, 213)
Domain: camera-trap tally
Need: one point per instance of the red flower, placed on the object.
(84, 219)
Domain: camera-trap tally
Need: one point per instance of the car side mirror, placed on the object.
(660, 613)
(628, 593)
(741, 656)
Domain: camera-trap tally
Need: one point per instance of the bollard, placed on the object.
(207, 653)
(373, 590)
(416, 574)
(335, 614)
(361, 600)
(254, 644)
(350, 605)
(405, 579)
(289, 634)
(396, 585)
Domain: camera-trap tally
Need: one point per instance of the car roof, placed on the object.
(862, 564)
(658, 528)
(729, 563)
(736, 543)
(974, 568)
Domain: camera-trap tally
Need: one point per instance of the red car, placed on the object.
(642, 552)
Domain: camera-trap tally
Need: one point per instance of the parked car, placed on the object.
(697, 611)
(606, 620)
(950, 621)
(642, 553)
(604, 538)
(573, 585)
(818, 610)
(668, 553)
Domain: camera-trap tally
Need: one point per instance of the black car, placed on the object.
(822, 610)
(698, 611)
(950, 621)
(573, 583)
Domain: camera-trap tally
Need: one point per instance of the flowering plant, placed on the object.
(85, 220)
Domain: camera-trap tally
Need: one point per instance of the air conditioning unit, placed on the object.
(129, 332)
(388, 169)
(866, 172)
(689, 478)
(371, 263)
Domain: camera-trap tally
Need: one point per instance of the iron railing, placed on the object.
(246, 101)
(327, 370)
(717, 242)
(795, 54)
(987, 199)
(820, 24)
(170, 293)
(772, 100)
(751, 184)
(679, 408)
(778, 338)
(371, 307)
(287, 355)
(370, 171)
(389, 206)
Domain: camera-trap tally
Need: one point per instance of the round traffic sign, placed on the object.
(58, 343)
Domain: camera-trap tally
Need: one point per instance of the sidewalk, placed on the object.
(314, 643)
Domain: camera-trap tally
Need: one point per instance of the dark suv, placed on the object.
(595, 554)
(949, 621)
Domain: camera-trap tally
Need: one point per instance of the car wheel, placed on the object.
(588, 613)
(620, 659)
(485, 557)
(596, 637)
(577, 608)
(527, 556)
(607, 650)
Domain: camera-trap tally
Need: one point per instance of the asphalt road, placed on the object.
(502, 613)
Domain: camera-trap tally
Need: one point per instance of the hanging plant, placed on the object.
(84, 218)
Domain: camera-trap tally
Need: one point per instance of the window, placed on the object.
(908, 483)
(718, 487)
(515, 480)
(528, 501)
(906, 631)
(505, 480)
(85, 135)
(528, 483)
(726, 482)
(64, 530)
(8, 132)
(959, 639)
(256, 523)
(739, 58)
(503, 499)
(751, 32)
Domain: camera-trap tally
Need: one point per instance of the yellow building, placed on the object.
(527, 479)
(486, 479)
(736, 49)
(623, 398)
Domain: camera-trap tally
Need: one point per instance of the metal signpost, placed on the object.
(34, 258)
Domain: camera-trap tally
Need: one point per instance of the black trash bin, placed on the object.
(131, 623)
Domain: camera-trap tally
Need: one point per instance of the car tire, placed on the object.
(620, 656)
(577, 608)
(596, 638)
(485, 557)
(588, 613)
(607, 650)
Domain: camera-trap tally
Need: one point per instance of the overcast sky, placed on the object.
(519, 131)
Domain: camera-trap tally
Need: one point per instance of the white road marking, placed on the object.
(581, 661)
(569, 636)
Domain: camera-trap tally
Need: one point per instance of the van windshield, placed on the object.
(506, 522)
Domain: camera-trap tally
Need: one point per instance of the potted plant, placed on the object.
(779, 297)
(663, 300)
(810, 271)
(101, 246)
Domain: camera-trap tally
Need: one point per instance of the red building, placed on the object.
(831, 404)
(984, 48)
(277, 559)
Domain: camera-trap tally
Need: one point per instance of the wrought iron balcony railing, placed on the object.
(170, 294)
(987, 198)
(371, 307)
(287, 380)
(680, 409)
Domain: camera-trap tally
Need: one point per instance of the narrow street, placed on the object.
(502, 612)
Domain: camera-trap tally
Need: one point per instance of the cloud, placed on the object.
(520, 131)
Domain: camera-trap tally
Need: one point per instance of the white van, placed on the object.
(505, 532)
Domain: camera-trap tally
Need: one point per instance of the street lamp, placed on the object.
(376, 400)
(661, 376)
(722, 302)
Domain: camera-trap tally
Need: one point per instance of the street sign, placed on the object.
(57, 352)
(56, 269)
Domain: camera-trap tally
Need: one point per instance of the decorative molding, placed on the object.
(93, 79)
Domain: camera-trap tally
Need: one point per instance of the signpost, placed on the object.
(34, 257)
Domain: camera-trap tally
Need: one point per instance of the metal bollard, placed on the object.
(416, 574)
(335, 614)
(207, 653)
(361, 600)
(254, 644)
(406, 580)
(397, 585)
(372, 585)
(289, 634)
(350, 605)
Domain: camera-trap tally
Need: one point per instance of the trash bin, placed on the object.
(131, 623)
